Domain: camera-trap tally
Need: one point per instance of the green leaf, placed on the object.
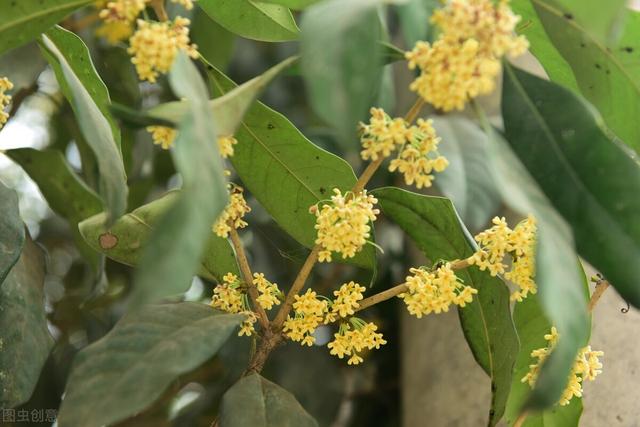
(540, 45)
(256, 402)
(229, 109)
(25, 341)
(88, 95)
(173, 251)
(129, 368)
(468, 181)
(253, 19)
(414, 20)
(11, 231)
(285, 172)
(608, 77)
(532, 326)
(66, 194)
(125, 240)
(590, 180)
(341, 62)
(215, 44)
(433, 224)
(602, 19)
(24, 20)
(293, 4)
(558, 273)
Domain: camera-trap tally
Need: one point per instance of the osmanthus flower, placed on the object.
(435, 291)
(465, 60)
(268, 292)
(155, 45)
(354, 337)
(419, 156)
(123, 11)
(382, 135)
(225, 146)
(231, 216)
(587, 366)
(343, 223)
(162, 136)
(346, 301)
(165, 136)
(230, 297)
(5, 100)
(490, 23)
(498, 242)
(309, 313)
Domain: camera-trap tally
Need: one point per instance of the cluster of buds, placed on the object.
(5, 100)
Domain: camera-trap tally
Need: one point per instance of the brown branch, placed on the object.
(521, 419)
(248, 279)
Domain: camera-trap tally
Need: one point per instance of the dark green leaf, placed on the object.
(89, 98)
(25, 341)
(124, 241)
(285, 171)
(433, 224)
(253, 19)
(532, 326)
(541, 47)
(11, 231)
(608, 77)
(341, 62)
(173, 251)
(589, 179)
(256, 402)
(24, 20)
(65, 193)
(124, 372)
(468, 181)
(558, 273)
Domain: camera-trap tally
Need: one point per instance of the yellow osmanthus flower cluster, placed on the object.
(228, 296)
(115, 31)
(268, 293)
(435, 291)
(418, 146)
(5, 100)
(154, 46)
(352, 339)
(165, 136)
(232, 215)
(309, 313)
(498, 241)
(587, 366)
(346, 301)
(162, 136)
(225, 146)
(343, 223)
(465, 60)
(123, 11)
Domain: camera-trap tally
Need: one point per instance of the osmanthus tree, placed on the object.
(562, 154)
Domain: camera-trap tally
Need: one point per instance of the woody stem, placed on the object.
(158, 8)
(248, 279)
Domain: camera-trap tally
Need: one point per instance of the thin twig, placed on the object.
(248, 279)
(521, 419)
